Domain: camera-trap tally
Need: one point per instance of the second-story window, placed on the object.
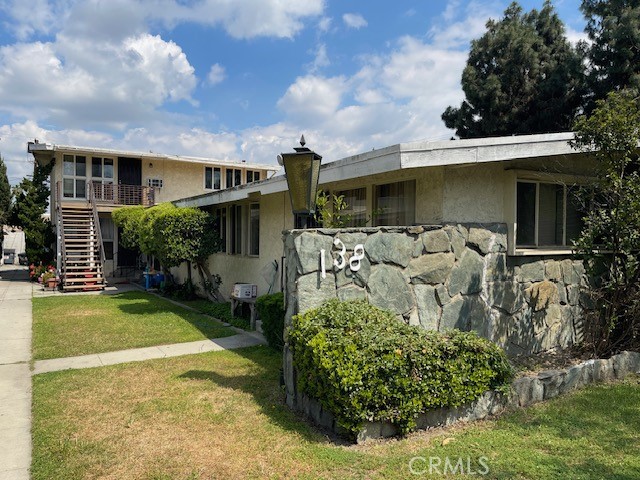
(234, 177)
(102, 177)
(212, 178)
(253, 176)
(74, 176)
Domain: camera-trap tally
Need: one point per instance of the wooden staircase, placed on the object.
(82, 267)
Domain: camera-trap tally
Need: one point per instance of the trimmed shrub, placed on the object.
(362, 364)
(271, 311)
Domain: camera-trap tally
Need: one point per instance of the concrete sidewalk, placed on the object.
(15, 375)
(246, 339)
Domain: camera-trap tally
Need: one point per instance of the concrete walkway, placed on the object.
(246, 339)
(15, 375)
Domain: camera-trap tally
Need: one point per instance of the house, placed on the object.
(525, 182)
(471, 234)
(87, 184)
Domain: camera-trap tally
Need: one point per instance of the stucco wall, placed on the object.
(275, 216)
(473, 194)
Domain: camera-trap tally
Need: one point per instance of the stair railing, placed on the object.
(61, 254)
(96, 222)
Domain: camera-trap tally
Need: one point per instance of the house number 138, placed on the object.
(341, 262)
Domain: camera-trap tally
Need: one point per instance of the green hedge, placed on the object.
(362, 364)
(271, 311)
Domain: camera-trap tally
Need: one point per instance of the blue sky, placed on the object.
(235, 79)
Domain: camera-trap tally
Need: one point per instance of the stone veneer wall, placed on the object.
(441, 277)
(444, 277)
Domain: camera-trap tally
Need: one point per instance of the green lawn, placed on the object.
(65, 326)
(221, 311)
(220, 415)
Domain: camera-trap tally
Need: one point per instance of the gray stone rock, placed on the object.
(573, 294)
(428, 309)
(389, 248)
(346, 276)
(457, 240)
(571, 273)
(352, 292)
(389, 290)
(436, 241)
(552, 380)
(313, 290)
(466, 275)
(532, 272)
(432, 268)
(369, 431)
(351, 239)
(552, 270)
(528, 390)
(496, 267)
(443, 295)
(418, 248)
(482, 407)
(573, 379)
(454, 315)
(479, 315)
(603, 370)
(326, 419)
(625, 363)
(487, 241)
(308, 246)
(413, 318)
(562, 293)
(506, 296)
(498, 330)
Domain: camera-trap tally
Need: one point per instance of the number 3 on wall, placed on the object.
(341, 261)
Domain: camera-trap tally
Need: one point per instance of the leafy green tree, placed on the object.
(613, 28)
(173, 235)
(522, 76)
(610, 241)
(31, 200)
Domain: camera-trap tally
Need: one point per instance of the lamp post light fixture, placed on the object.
(302, 169)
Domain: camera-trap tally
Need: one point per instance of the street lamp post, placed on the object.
(302, 169)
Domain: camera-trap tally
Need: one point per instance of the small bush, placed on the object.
(271, 311)
(362, 364)
(177, 291)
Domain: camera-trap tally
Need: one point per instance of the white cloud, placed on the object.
(113, 18)
(75, 82)
(217, 74)
(312, 99)
(575, 36)
(354, 20)
(320, 60)
(324, 24)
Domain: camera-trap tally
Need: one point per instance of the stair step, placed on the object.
(84, 287)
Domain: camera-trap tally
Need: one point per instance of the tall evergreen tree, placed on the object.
(613, 26)
(5, 197)
(31, 202)
(5, 192)
(522, 76)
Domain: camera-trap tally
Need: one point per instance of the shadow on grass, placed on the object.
(263, 385)
(142, 303)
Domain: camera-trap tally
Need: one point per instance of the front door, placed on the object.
(129, 181)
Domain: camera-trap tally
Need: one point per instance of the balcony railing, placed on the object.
(114, 194)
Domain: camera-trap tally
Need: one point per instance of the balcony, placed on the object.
(113, 194)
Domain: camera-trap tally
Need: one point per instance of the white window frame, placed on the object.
(250, 232)
(536, 246)
(75, 177)
(213, 178)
